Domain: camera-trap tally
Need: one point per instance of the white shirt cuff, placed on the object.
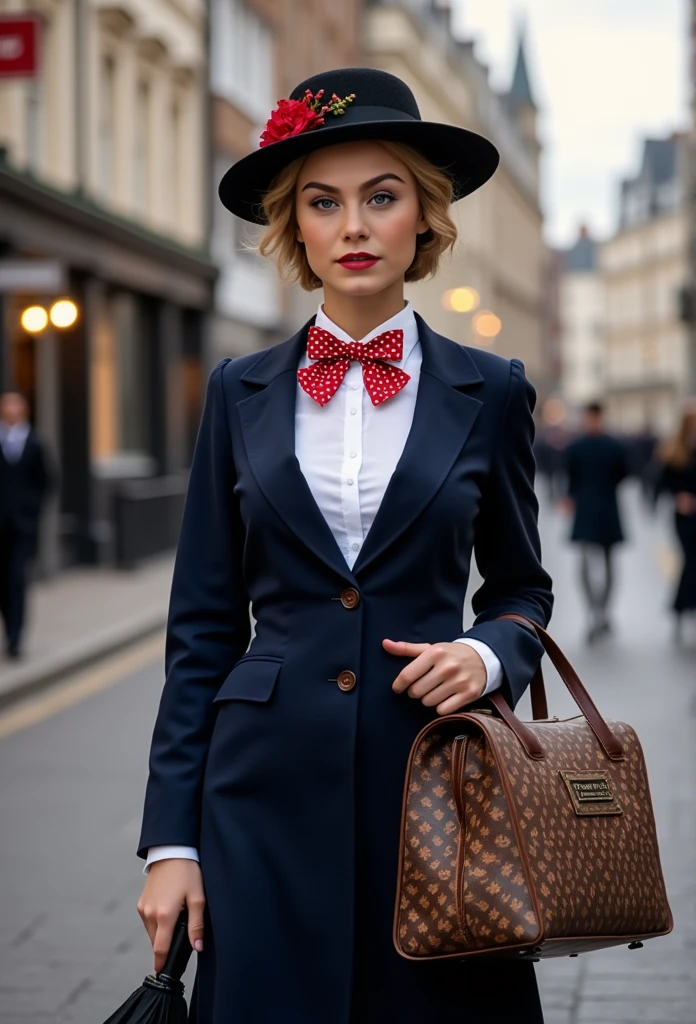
(494, 670)
(156, 853)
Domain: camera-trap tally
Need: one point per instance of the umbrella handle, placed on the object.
(180, 949)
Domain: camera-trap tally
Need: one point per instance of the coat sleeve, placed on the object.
(507, 546)
(208, 630)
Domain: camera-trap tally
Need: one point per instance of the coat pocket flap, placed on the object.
(250, 679)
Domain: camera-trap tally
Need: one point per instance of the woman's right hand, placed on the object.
(172, 885)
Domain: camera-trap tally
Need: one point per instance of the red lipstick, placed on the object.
(358, 260)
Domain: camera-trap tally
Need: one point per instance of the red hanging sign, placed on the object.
(19, 46)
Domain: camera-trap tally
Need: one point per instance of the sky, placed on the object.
(605, 74)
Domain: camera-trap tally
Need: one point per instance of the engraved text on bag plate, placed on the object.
(591, 792)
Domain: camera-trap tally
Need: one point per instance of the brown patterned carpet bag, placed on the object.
(527, 839)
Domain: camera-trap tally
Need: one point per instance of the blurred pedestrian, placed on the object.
(23, 485)
(642, 448)
(596, 463)
(549, 452)
(678, 477)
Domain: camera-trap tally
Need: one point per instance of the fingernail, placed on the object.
(198, 945)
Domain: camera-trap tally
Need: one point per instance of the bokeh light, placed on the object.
(460, 300)
(487, 324)
(34, 319)
(63, 313)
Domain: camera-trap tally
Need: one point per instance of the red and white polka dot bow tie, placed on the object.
(322, 379)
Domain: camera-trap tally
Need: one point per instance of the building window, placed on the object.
(242, 58)
(176, 155)
(107, 105)
(141, 169)
(36, 102)
(35, 124)
(120, 384)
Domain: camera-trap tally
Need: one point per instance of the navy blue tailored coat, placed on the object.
(289, 785)
(596, 466)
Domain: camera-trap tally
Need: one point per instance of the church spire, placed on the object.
(521, 91)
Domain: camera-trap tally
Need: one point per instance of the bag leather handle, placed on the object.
(610, 743)
(526, 737)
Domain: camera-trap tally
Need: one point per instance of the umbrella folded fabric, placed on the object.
(160, 998)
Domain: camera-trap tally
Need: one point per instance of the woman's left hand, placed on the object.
(446, 676)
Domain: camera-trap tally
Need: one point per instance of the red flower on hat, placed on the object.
(292, 117)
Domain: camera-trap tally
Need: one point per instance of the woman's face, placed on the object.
(357, 198)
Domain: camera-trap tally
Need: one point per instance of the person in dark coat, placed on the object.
(596, 463)
(641, 452)
(24, 482)
(340, 483)
(678, 477)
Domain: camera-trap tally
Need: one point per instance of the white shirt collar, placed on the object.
(404, 320)
(18, 432)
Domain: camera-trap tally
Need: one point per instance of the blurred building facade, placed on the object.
(581, 316)
(552, 328)
(500, 254)
(644, 268)
(260, 50)
(104, 169)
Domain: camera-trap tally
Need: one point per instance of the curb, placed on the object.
(52, 670)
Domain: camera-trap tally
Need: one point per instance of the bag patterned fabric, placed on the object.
(527, 840)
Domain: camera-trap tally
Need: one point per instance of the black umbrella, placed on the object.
(160, 998)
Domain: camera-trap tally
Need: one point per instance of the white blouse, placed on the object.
(347, 451)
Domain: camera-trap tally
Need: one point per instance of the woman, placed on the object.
(339, 484)
(678, 476)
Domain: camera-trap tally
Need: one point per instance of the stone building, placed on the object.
(644, 268)
(260, 50)
(500, 256)
(104, 172)
(581, 314)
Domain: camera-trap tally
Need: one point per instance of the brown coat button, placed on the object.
(346, 680)
(350, 597)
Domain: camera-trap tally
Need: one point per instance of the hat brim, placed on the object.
(467, 158)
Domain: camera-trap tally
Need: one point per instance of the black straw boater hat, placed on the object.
(347, 105)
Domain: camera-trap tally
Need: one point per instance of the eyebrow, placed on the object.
(365, 184)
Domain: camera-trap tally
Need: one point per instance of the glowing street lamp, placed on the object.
(34, 319)
(63, 313)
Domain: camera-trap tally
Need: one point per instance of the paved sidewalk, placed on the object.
(82, 615)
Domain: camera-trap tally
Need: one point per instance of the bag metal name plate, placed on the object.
(591, 792)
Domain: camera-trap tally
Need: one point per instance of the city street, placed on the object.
(73, 769)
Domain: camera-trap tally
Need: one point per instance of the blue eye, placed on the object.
(383, 195)
(323, 199)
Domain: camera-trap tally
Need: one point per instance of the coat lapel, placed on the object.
(442, 420)
(268, 425)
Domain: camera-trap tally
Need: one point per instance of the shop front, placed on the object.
(116, 394)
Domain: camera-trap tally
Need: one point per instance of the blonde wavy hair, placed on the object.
(434, 189)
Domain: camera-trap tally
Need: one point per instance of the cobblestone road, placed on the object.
(71, 945)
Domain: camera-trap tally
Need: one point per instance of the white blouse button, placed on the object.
(353, 412)
(349, 480)
(355, 547)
